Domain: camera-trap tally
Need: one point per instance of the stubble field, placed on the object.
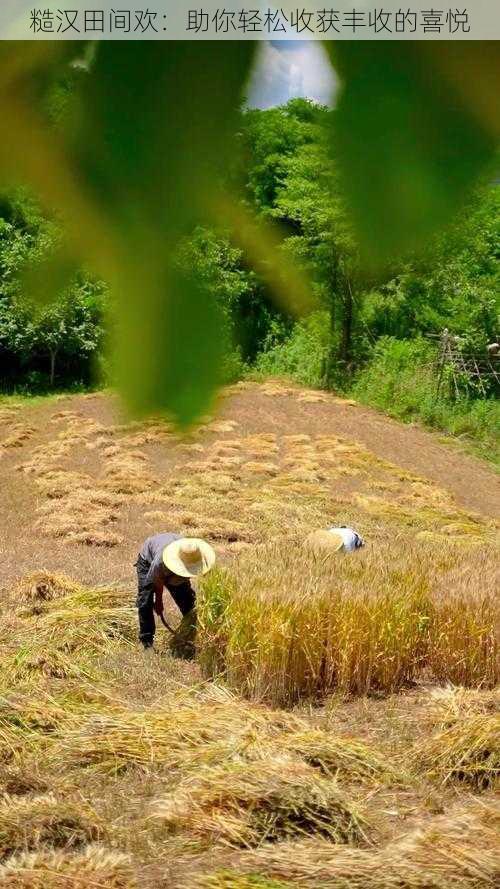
(340, 725)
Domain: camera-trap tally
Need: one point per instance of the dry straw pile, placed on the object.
(75, 508)
(346, 757)
(245, 804)
(74, 624)
(79, 507)
(190, 730)
(19, 434)
(27, 823)
(449, 704)
(284, 623)
(94, 868)
(467, 751)
(234, 880)
(459, 850)
(39, 588)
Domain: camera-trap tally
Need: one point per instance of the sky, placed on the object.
(290, 69)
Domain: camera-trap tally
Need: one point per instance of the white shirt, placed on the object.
(351, 538)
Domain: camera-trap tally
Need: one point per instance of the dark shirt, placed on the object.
(151, 554)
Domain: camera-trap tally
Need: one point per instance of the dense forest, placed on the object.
(375, 333)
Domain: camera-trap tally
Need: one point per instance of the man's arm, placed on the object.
(158, 588)
(183, 596)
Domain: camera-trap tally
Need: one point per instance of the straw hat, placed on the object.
(322, 542)
(189, 556)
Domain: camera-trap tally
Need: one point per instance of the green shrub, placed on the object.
(401, 379)
(302, 356)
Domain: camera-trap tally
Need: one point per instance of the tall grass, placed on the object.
(464, 645)
(402, 380)
(302, 355)
(284, 623)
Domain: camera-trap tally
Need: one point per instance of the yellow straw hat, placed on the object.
(189, 557)
(322, 542)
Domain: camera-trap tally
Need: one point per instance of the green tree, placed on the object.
(454, 284)
(247, 310)
(293, 180)
(68, 331)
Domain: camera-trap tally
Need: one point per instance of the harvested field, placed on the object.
(458, 850)
(121, 769)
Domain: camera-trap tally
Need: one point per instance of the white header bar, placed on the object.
(187, 20)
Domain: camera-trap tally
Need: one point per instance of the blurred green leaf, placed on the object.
(43, 280)
(154, 135)
(142, 157)
(411, 142)
(169, 350)
(262, 242)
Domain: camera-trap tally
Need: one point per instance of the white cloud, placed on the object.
(289, 70)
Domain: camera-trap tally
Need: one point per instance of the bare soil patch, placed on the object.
(81, 488)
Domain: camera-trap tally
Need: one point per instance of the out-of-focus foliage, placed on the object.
(128, 144)
(416, 124)
(133, 166)
(454, 284)
(25, 236)
(246, 309)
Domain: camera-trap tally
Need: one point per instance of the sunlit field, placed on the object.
(339, 724)
(283, 624)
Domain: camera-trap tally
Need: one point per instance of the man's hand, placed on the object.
(158, 606)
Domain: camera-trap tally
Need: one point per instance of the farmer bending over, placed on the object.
(168, 560)
(335, 539)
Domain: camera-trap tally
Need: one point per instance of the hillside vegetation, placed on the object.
(289, 293)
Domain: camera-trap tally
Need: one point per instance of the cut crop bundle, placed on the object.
(26, 823)
(247, 803)
(42, 587)
(350, 758)
(95, 868)
(468, 750)
(457, 851)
